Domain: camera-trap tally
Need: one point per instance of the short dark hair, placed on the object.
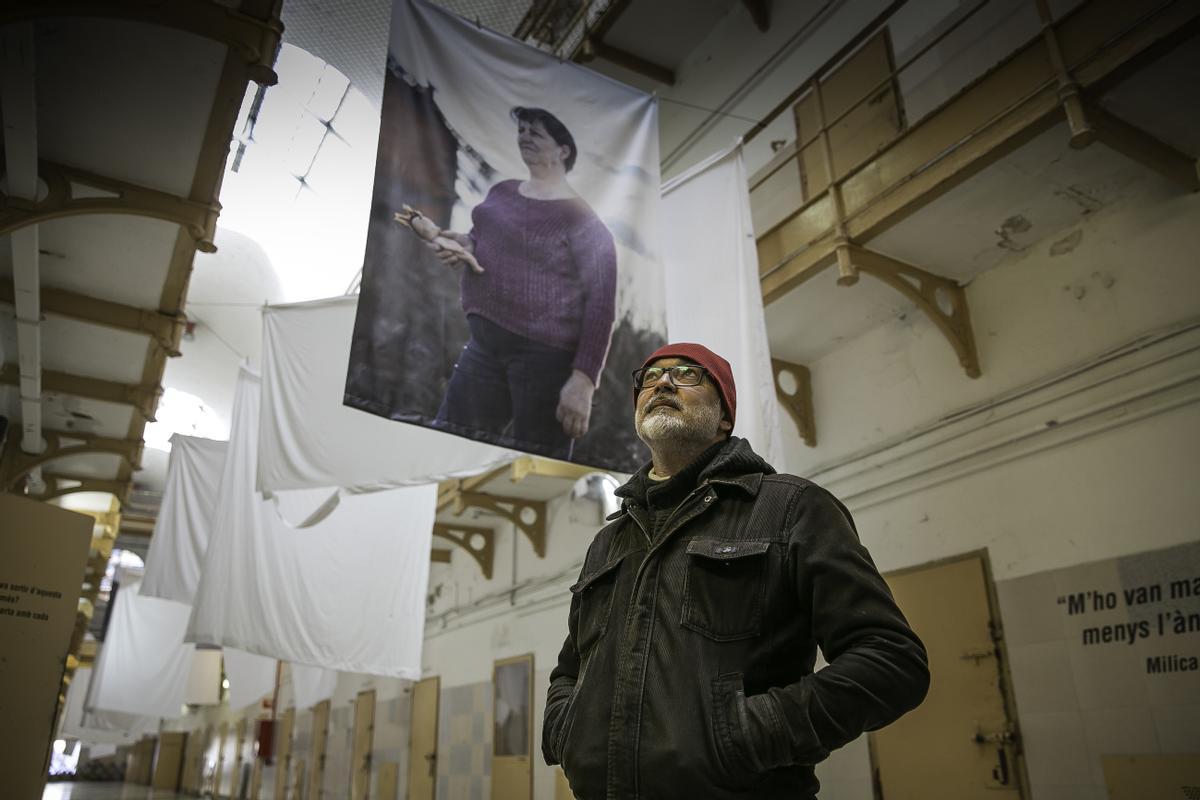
(553, 125)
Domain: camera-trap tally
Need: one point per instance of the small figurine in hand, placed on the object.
(450, 247)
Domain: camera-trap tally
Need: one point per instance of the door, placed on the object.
(360, 752)
(963, 733)
(422, 747)
(298, 780)
(193, 760)
(222, 732)
(512, 734)
(169, 760)
(239, 758)
(389, 780)
(283, 757)
(320, 737)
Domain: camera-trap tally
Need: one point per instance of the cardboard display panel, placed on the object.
(43, 550)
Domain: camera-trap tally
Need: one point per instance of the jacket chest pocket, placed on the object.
(725, 588)
(595, 595)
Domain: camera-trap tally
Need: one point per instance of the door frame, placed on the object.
(1007, 695)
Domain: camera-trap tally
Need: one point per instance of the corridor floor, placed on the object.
(105, 791)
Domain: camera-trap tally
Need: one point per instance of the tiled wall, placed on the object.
(1077, 702)
(464, 742)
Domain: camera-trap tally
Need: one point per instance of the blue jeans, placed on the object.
(507, 386)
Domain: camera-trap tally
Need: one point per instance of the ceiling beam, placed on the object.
(143, 398)
(165, 329)
(1140, 146)
(254, 40)
(107, 195)
(760, 13)
(593, 47)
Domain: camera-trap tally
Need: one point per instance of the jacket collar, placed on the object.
(735, 465)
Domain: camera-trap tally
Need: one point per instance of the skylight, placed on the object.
(299, 179)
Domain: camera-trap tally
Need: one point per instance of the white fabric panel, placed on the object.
(144, 662)
(311, 685)
(204, 680)
(713, 291)
(306, 347)
(181, 530)
(250, 677)
(347, 593)
(101, 726)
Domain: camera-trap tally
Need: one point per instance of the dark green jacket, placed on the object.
(688, 666)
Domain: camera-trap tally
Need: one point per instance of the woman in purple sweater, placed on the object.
(541, 305)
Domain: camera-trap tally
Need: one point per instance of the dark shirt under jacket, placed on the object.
(687, 671)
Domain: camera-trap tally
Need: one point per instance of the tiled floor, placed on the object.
(104, 791)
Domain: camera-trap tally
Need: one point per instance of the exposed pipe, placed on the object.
(20, 154)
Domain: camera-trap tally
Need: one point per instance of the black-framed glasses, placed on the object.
(681, 375)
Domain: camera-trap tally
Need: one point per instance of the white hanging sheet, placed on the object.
(181, 531)
(346, 593)
(308, 439)
(713, 291)
(250, 677)
(144, 663)
(311, 685)
(99, 727)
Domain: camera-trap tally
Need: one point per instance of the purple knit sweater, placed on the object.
(550, 273)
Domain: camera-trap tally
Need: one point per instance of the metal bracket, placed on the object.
(482, 549)
(942, 300)
(116, 197)
(253, 39)
(798, 402)
(529, 516)
(61, 444)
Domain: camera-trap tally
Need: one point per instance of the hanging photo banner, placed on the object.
(512, 279)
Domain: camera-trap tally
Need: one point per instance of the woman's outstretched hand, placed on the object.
(575, 404)
(452, 248)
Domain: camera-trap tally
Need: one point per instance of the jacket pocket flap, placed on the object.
(587, 580)
(725, 549)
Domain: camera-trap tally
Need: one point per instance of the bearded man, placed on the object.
(687, 671)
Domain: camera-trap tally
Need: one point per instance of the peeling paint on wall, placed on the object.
(1067, 243)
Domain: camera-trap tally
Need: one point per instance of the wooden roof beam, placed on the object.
(760, 13)
(593, 47)
(254, 39)
(165, 329)
(143, 398)
(1138, 145)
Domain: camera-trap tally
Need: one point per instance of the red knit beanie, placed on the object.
(718, 369)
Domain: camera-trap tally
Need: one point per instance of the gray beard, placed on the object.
(671, 429)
